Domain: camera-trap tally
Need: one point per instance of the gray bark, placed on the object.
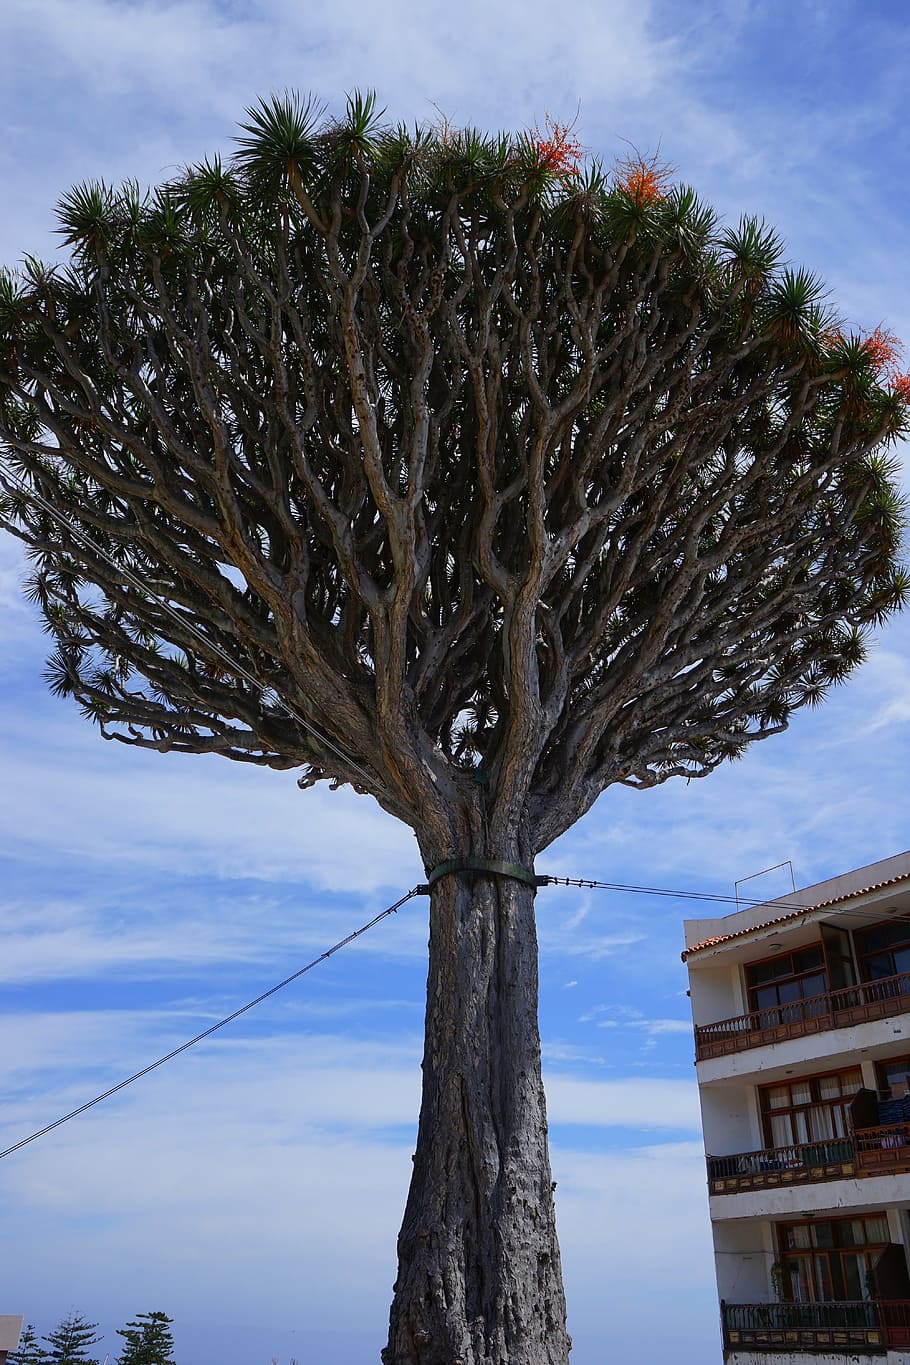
(479, 1280)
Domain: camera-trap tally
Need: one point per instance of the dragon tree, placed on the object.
(477, 475)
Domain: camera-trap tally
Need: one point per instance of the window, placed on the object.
(810, 1110)
(893, 1075)
(787, 980)
(884, 950)
(831, 1260)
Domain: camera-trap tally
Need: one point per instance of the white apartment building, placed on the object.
(10, 1332)
(801, 1009)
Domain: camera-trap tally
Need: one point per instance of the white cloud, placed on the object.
(314, 1081)
(97, 801)
(257, 1152)
(627, 1103)
(99, 936)
(888, 679)
(595, 946)
(19, 627)
(625, 1016)
(658, 1026)
(558, 1052)
(191, 51)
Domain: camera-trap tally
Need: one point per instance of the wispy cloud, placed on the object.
(105, 936)
(627, 1103)
(82, 798)
(626, 1017)
(315, 1080)
(179, 74)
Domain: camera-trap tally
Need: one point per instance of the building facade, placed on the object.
(10, 1331)
(801, 1008)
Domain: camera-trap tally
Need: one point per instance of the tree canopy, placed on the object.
(71, 1340)
(147, 1340)
(495, 466)
(30, 1351)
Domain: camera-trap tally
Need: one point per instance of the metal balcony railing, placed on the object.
(835, 1009)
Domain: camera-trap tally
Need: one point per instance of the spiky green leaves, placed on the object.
(88, 218)
(753, 251)
(792, 308)
(279, 146)
(209, 190)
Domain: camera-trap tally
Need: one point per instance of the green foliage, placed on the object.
(90, 216)
(71, 1340)
(280, 146)
(147, 1340)
(753, 249)
(30, 1351)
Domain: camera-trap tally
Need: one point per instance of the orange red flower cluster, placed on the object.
(884, 351)
(643, 179)
(559, 152)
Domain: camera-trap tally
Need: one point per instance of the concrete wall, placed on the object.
(827, 1196)
(742, 1224)
(10, 1329)
(716, 993)
(730, 1120)
(744, 1255)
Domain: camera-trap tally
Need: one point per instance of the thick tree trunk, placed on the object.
(479, 1278)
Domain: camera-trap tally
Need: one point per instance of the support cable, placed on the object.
(743, 902)
(422, 889)
(207, 1033)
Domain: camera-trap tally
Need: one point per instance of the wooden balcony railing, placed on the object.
(838, 1328)
(798, 1165)
(894, 1315)
(816, 1014)
(884, 1150)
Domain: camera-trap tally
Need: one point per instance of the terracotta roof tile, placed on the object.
(794, 914)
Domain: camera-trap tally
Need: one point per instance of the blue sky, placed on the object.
(253, 1188)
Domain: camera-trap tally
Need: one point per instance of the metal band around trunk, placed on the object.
(491, 866)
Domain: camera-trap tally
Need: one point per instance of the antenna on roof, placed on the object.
(752, 875)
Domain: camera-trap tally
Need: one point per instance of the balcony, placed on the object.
(866, 1327)
(835, 1009)
(803, 1164)
(884, 1150)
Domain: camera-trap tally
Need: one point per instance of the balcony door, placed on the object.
(832, 1260)
(813, 1109)
(838, 957)
(784, 989)
(884, 952)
